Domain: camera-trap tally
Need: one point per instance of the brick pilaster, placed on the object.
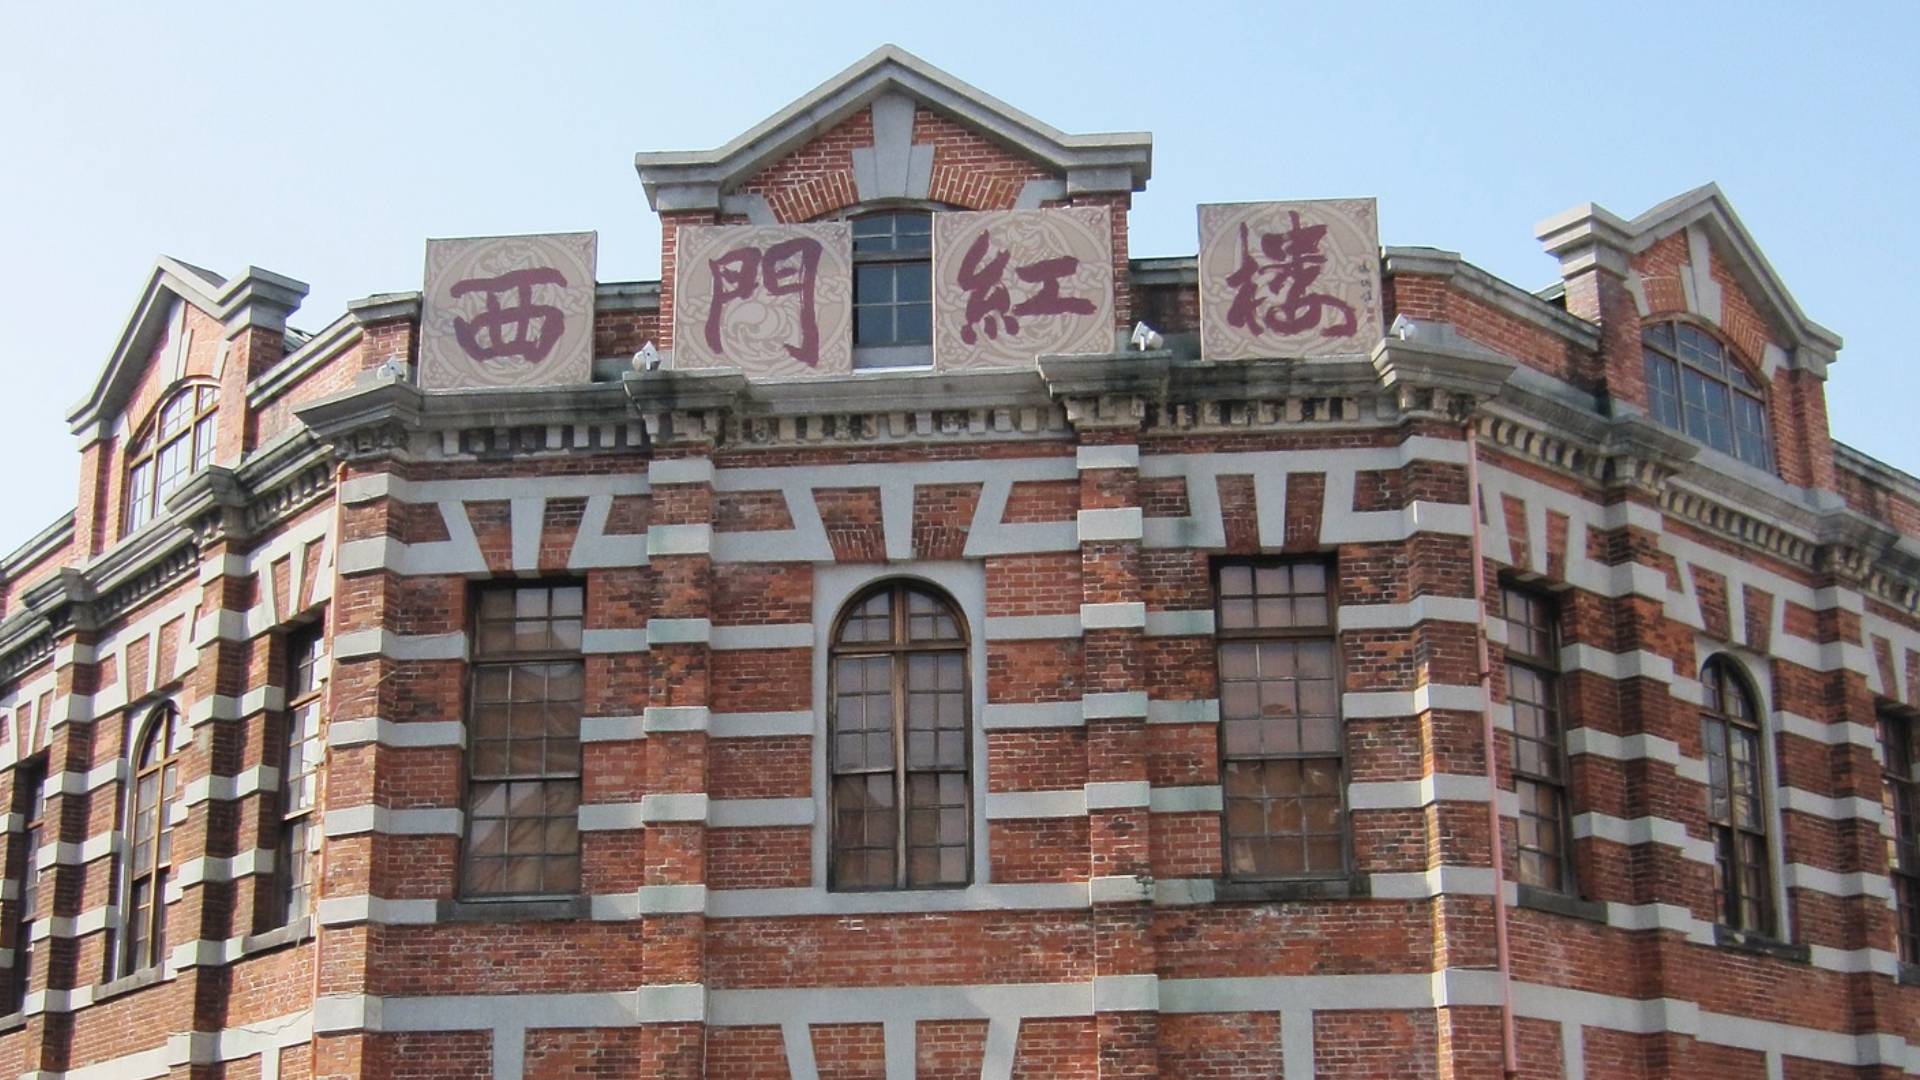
(1114, 685)
(679, 696)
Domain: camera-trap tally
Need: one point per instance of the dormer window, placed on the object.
(1695, 386)
(893, 289)
(178, 442)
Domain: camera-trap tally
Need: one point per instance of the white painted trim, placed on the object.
(765, 903)
(1197, 622)
(1199, 711)
(1005, 716)
(675, 718)
(674, 807)
(1121, 705)
(1057, 803)
(1032, 627)
(666, 540)
(354, 644)
(411, 821)
(1110, 456)
(1109, 524)
(1126, 993)
(602, 640)
(767, 636)
(693, 470)
(759, 813)
(595, 729)
(1122, 615)
(679, 632)
(1407, 615)
(761, 725)
(599, 817)
(411, 734)
(1118, 794)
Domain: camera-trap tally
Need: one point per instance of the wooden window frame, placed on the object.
(1901, 777)
(30, 802)
(1733, 863)
(134, 953)
(1546, 668)
(302, 756)
(1675, 358)
(144, 501)
(1328, 632)
(550, 781)
(897, 650)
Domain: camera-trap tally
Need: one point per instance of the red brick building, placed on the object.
(1121, 715)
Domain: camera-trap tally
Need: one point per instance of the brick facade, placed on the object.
(1077, 519)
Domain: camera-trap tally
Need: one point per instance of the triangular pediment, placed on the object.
(257, 297)
(697, 179)
(1705, 214)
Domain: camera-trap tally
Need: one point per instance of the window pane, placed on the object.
(1663, 390)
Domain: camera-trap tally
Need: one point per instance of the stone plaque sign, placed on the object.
(774, 301)
(1013, 285)
(1289, 279)
(507, 311)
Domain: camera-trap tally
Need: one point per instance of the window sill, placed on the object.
(1760, 945)
(267, 940)
(127, 984)
(1346, 888)
(1537, 898)
(13, 1021)
(515, 909)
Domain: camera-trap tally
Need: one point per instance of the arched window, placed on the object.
(148, 854)
(899, 732)
(893, 289)
(1695, 386)
(1730, 730)
(177, 443)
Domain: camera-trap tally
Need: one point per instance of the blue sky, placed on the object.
(327, 143)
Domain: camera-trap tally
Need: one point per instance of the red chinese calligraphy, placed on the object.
(788, 268)
(1288, 306)
(990, 306)
(523, 328)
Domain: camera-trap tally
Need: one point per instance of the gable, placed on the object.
(820, 141)
(1692, 254)
(895, 148)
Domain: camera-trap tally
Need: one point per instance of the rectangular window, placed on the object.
(1902, 773)
(30, 802)
(523, 727)
(1281, 743)
(1539, 750)
(300, 774)
(892, 289)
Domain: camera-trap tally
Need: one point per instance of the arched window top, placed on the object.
(1727, 691)
(1698, 386)
(156, 739)
(899, 741)
(900, 613)
(176, 441)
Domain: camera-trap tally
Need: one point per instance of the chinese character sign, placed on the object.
(1014, 285)
(1289, 279)
(769, 300)
(504, 311)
